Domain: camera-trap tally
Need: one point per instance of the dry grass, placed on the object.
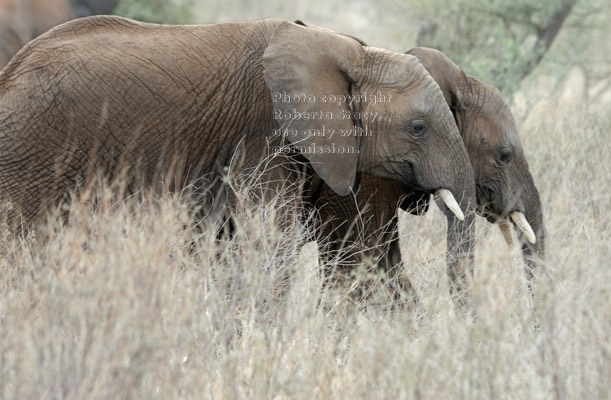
(129, 302)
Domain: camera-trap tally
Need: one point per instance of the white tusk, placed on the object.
(450, 202)
(520, 220)
(506, 231)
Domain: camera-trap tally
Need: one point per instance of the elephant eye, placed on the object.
(417, 127)
(505, 156)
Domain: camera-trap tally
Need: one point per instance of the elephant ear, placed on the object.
(450, 77)
(304, 67)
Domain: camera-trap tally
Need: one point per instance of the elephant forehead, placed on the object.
(427, 99)
(403, 79)
(422, 98)
(496, 131)
(491, 115)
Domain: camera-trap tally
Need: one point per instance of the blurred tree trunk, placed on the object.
(522, 67)
(492, 40)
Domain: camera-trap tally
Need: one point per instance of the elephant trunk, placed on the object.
(461, 239)
(533, 253)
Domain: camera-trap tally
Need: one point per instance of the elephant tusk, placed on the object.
(520, 220)
(450, 202)
(506, 231)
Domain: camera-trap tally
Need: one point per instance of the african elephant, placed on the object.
(505, 189)
(23, 20)
(151, 102)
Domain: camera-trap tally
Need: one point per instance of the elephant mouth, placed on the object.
(410, 176)
(491, 208)
(416, 181)
(518, 220)
(489, 214)
(487, 207)
(507, 219)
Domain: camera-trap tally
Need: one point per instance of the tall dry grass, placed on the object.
(128, 301)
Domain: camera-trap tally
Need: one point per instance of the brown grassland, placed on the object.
(127, 301)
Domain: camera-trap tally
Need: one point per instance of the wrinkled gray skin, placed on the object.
(173, 106)
(503, 181)
(23, 20)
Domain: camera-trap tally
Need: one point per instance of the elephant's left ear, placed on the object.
(308, 71)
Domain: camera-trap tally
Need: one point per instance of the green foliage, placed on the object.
(159, 11)
(497, 40)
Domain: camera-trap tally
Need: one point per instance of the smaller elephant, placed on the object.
(23, 20)
(506, 193)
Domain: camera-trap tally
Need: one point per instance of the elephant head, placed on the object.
(506, 192)
(350, 108)
(505, 188)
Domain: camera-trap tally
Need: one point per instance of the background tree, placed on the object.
(159, 11)
(499, 41)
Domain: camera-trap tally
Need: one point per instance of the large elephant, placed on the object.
(23, 20)
(506, 192)
(151, 102)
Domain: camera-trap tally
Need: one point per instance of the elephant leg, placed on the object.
(402, 289)
(362, 230)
